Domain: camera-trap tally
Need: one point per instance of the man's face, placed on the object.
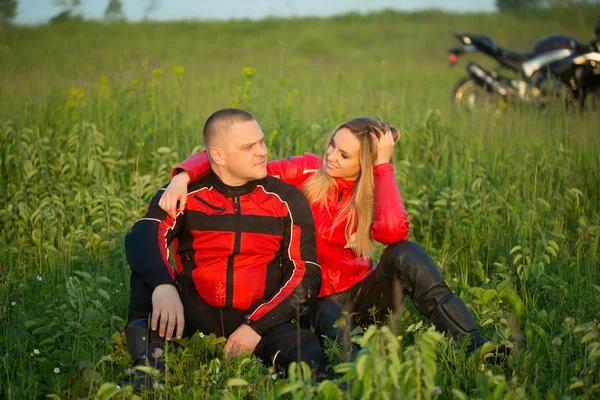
(245, 153)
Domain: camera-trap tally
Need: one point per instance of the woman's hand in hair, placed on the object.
(175, 196)
(385, 147)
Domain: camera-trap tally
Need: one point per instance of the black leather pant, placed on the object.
(409, 265)
(280, 345)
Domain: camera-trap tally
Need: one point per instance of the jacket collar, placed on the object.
(232, 191)
(345, 183)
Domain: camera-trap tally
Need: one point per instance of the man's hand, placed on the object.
(243, 339)
(175, 192)
(167, 312)
(385, 147)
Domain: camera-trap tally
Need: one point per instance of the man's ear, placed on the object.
(217, 155)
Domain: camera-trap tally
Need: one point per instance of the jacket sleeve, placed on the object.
(147, 245)
(301, 280)
(196, 165)
(390, 219)
(291, 169)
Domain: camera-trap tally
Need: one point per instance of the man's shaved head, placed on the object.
(219, 124)
(236, 146)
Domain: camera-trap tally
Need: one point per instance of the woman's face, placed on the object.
(341, 157)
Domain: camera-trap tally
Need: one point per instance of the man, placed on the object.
(245, 251)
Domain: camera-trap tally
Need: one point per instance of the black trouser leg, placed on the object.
(423, 283)
(280, 345)
(325, 316)
(287, 343)
(321, 316)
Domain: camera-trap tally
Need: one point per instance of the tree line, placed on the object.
(114, 8)
(113, 11)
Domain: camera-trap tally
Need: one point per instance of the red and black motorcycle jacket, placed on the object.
(250, 248)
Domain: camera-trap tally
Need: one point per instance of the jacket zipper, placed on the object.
(236, 250)
(207, 204)
(341, 195)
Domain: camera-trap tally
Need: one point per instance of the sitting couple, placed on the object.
(251, 256)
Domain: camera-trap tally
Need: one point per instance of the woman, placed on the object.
(355, 201)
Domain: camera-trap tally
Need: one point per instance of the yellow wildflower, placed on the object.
(76, 93)
(249, 71)
(178, 70)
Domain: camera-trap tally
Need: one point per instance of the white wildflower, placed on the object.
(56, 370)
(436, 391)
(36, 351)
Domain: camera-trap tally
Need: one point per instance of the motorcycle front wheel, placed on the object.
(469, 95)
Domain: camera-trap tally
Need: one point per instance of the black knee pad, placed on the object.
(404, 250)
(403, 260)
(451, 315)
(137, 339)
(144, 344)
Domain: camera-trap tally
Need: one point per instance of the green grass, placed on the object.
(93, 117)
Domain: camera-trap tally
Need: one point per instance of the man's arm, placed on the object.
(147, 248)
(301, 281)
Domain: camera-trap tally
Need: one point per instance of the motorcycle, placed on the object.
(580, 72)
(558, 68)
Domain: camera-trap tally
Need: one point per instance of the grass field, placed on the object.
(93, 117)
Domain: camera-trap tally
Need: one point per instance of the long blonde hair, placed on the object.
(360, 207)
